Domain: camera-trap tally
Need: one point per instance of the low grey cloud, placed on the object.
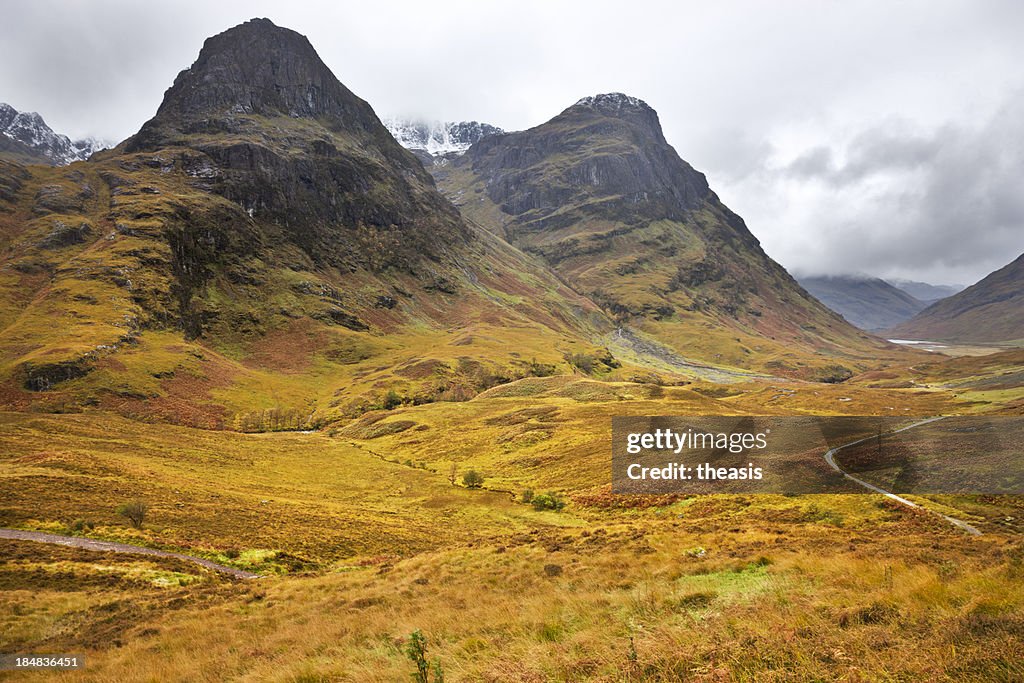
(852, 137)
(938, 204)
(817, 162)
(886, 148)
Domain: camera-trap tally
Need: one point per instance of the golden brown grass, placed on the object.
(794, 602)
(364, 540)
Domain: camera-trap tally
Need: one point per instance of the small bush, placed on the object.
(472, 479)
(134, 511)
(598, 361)
(548, 501)
(392, 400)
(833, 374)
(696, 600)
(416, 651)
(526, 496)
(80, 525)
(584, 362)
(816, 514)
(536, 369)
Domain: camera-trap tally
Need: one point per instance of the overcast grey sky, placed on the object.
(875, 137)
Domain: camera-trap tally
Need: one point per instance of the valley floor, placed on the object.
(361, 539)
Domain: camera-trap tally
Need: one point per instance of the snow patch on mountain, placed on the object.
(615, 100)
(31, 130)
(438, 138)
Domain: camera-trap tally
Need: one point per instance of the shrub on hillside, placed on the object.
(536, 369)
(599, 361)
(833, 374)
(416, 651)
(584, 362)
(547, 501)
(134, 511)
(392, 400)
(473, 479)
(80, 525)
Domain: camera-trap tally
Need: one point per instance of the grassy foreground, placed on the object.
(363, 539)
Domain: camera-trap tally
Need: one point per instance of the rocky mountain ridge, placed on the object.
(280, 136)
(925, 291)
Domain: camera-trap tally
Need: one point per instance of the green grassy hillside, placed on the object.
(990, 311)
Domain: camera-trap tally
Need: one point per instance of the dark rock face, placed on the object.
(283, 138)
(471, 132)
(11, 179)
(604, 147)
(64, 235)
(43, 377)
(260, 68)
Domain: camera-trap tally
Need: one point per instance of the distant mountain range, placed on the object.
(869, 303)
(924, 292)
(25, 137)
(990, 311)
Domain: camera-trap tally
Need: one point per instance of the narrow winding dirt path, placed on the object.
(111, 547)
(830, 459)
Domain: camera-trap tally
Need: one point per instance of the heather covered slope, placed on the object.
(601, 196)
(262, 244)
(990, 311)
(869, 303)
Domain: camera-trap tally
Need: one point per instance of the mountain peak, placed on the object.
(270, 128)
(613, 102)
(264, 69)
(620, 107)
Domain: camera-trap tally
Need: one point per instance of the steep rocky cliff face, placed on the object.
(279, 135)
(605, 157)
(989, 311)
(599, 193)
